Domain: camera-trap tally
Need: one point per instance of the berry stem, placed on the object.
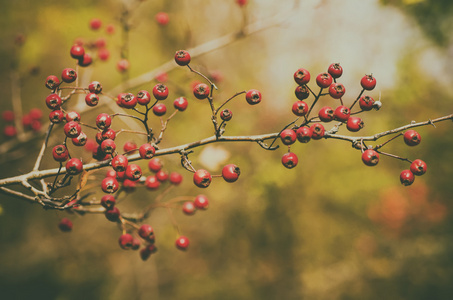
(228, 100)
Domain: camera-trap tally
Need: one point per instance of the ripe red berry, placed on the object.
(302, 92)
(231, 172)
(303, 134)
(241, 2)
(77, 51)
(133, 172)
(92, 99)
(155, 164)
(202, 178)
(108, 201)
(56, 116)
(342, 113)
(160, 91)
(326, 114)
(354, 124)
(182, 57)
(129, 185)
(302, 76)
(336, 90)
(110, 29)
(146, 151)
(418, 167)
(85, 61)
(74, 166)
(253, 97)
(103, 54)
(122, 65)
(288, 136)
(146, 232)
(53, 101)
(407, 177)
(201, 91)
(130, 147)
(335, 70)
(60, 153)
(113, 214)
(162, 18)
(180, 103)
(110, 173)
(10, 131)
(159, 109)
(73, 116)
(368, 82)
(35, 114)
(69, 75)
(52, 82)
(108, 146)
(152, 183)
(100, 42)
(119, 163)
(370, 157)
(324, 80)
(95, 23)
(109, 185)
(127, 100)
(317, 131)
(412, 138)
(72, 129)
(366, 103)
(162, 176)
(126, 241)
(143, 97)
(226, 114)
(300, 108)
(103, 121)
(175, 178)
(65, 225)
(201, 202)
(107, 134)
(182, 243)
(289, 160)
(8, 116)
(161, 77)
(95, 87)
(189, 208)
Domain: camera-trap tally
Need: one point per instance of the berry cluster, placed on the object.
(30, 121)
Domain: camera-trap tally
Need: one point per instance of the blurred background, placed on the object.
(331, 228)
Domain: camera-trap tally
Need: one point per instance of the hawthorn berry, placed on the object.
(10, 131)
(110, 173)
(103, 54)
(74, 166)
(143, 97)
(370, 157)
(161, 77)
(182, 57)
(303, 134)
(127, 100)
(95, 23)
(366, 103)
(175, 178)
(342, 113)
(126, 241)
(69, 75)
(159, 109)
(133, 172)
(162, 176)
(407, 177)
(136, 243)
(288, 136)
(108, 133)
(202, 178)
(108, 146)
(103, 121)
(8, 116)
(201, 91)
(112, 214)
(35, 114)
(201, 202)
(182, 243)
(108, 201)
(146, 151)
(335, 70)
(336, 90)
(72, 129)
(152, 183)
(231, 172)
(189, 208)
(73, 116)
(180, 103)
(354, 124)
(412, 138)
(119, 163)
(253, 97)
(92, 99)
(160, 91)
(56, 116)
(109, 185)
(289, 160)
(241, 2)
(130, 147)
(302, 92)
(162, 18)
(368, 82)
(155, 164)
(324, 80)
(60, 153)
(95, 87)
(300, 108)
(326, 114)
(317, 131)
(418, 167)
(85, 61)
(146, 252)
(110, 29)
(122, 65)
(226, 114)
(65, 225)
(301, 76)
(53, 101)
(146, 232)
(77, 51)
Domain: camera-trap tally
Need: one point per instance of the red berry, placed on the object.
(226, 114)
(8, 116)
(241, 2)
(10, 131)
(354, 124)
(95, 23)
(368, 82)
(155, 164)
(324, 80)
(65, 225)
(289, 160)
(336, 90)
(95, 87)
(122, 65)
(110, 29)
(111, 173)
(146, 232)
(146, 151)
(72, 129)
(107, 134)
(35, 114)
(342, 113)
(162, 176)
(302, 92)
(74, 166)
(73, 116)
(143, 97)
(108, 146)
(133, 172)
(370, 157)
(366, 103)
(302, 76)
(231, 172)
(85, 61)
(201, 91)
(407, 177)
(182, 57)
(175, 178)
(53, 101)
(103, 54)
(335, 70)
(100, 42)
(152, 183)
(162, 18)
(159, 109)
(189, 208)
(56, 116)
(92, 99)
(326, 114)
(146, 252)
(127, 100)
(108, 201)
(300, 108)
(160, 91)
(126, 241)
(180, 103)
(162, 77)
(303, 134)
(103, 121)
(253, 97)
(412, 138)
(136, 243)
(418, 167)
(77, 51)
(60, 153)
(119, 163)
(182, 243)
(109, 185)
(317, 131)
(69, 75)
(113, 214)
(202, 178)
(288, 136)
(201, 202)
(130, 147)
(52, 82)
